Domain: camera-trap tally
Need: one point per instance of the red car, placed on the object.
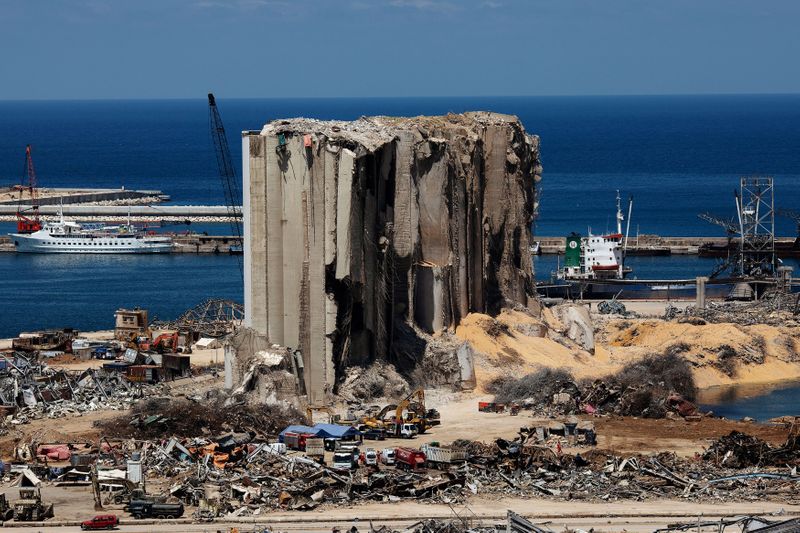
(101, 521)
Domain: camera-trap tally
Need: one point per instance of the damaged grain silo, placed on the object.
(360, 234)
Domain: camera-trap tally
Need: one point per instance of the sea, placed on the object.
(678, 156)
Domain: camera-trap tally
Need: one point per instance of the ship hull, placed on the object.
(28, 244)
(658, 290)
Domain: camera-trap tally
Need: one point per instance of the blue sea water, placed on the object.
(761, 402)
(678, 156)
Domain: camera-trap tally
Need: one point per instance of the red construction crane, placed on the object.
(29, 223)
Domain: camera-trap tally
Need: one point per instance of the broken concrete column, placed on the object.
(361, 233)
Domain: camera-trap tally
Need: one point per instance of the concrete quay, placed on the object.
(118, 212)
(72, 195)
(653, 244)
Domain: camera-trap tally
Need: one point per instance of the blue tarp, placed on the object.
(335, 431)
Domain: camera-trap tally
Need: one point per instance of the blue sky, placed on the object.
(67, 49)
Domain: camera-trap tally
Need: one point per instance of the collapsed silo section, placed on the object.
(361, 237)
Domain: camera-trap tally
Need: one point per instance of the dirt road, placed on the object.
(603, 517)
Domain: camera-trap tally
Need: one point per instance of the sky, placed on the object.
(90, 49)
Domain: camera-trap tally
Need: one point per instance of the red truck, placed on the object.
(409, 458)
(297, 441)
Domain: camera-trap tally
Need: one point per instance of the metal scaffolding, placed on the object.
(211, 318)
(756, 213)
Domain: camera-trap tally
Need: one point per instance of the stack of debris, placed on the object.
(651, 387)
(775, 308)
(30, 389)
(739, 450)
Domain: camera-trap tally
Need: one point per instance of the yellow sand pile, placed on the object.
(513, 345)
(702, 345)
(516, 344)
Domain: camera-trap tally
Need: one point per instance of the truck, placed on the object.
(151, 509)
(369, 457)
(409, 458)
(406, 430)
(388, 456)
(315, 449)
(443, 456)
(344, 460)
(296, 441)
(29, 507)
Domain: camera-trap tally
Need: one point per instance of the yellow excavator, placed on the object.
(411, 410)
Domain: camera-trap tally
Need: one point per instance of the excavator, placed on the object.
(410, 410)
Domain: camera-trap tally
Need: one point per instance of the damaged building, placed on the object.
(360, 236)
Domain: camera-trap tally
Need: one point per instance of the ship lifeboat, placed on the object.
(605, 267)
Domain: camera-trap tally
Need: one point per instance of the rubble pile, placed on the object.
(239, 476)
(775, 308)
(378, 380)
(160, 417)
(30, 389)
(739, 450)
(650, 387)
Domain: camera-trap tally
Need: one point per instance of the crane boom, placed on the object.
(729, 226)
(227, 172)
(29, 224)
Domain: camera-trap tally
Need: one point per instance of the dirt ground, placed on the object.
(623, 435)
(75, 503)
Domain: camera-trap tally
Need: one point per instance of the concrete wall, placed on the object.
(362, 233)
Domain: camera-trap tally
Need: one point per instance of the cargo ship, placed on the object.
(594, 268)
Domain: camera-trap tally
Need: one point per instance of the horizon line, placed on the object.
(440, 97)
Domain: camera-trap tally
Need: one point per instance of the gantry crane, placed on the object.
(227, 173)
(29, 223)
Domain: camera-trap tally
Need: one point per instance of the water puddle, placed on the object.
(758, 401)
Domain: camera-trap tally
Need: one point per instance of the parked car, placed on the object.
(101, 521)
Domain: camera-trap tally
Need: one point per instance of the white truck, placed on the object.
(315, 449)
(406, 430)
(443, 456)
(387, 456)
(344, 460)
(369, 457)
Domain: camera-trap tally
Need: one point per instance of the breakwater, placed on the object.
(656, 245)
(117, 212)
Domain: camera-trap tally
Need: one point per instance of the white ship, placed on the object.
(73, 238)
(597, 257)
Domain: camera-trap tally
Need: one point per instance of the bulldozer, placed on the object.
(30, 508)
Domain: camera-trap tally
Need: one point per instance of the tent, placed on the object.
(336, 431)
